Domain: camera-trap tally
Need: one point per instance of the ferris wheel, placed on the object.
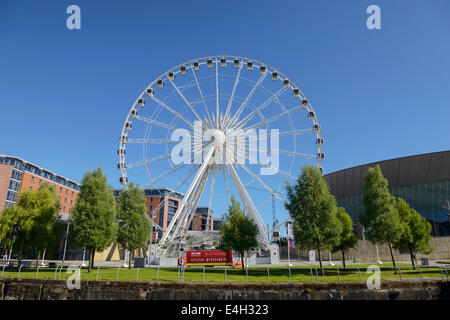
(214, 127)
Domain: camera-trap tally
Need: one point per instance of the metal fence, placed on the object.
(228, 274)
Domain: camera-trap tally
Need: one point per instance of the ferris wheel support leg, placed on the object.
(250, 207)
(179, 217)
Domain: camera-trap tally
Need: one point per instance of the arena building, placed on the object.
(421, 180)
(17, 175)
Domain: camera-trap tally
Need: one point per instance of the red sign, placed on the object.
(210, 257)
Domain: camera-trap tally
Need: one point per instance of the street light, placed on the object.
(65, 242)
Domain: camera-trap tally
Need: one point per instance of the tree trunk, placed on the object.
(392, 256)
(130, 257)
(320, 262)
(343, 257)
(91, 258)
(21, 249)
(412, 255)
(37, 259)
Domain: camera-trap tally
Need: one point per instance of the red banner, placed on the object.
(210, 257)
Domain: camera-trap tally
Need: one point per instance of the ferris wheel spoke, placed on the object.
(185, 100)
(178, 186)
(174, 169)
(226, 183)
(211, 193)
(290, 153)
(263, 203)
(202, 97)
(285, 174)
(230, 101)
(147, 161)
(154, 122)
(296, 132)
(261, 182)
(250, 116)
(152, 141)
(177, 114)
(297, 154)
(248, 203)
(217, 94)
(274, 118)
(247, 99)
(166, 173)
(249, 183)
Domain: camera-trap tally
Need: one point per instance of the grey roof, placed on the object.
(399, 172)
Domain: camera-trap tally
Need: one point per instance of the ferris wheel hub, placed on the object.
(219, 137)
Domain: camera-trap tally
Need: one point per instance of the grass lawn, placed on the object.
(217, 274)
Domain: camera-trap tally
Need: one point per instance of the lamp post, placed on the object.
(65, 242)
(329, 258)
(43, 258)
(378, 258)
(84, 253)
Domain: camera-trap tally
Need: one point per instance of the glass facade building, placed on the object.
(422, 180)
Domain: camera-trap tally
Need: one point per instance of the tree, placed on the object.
(416, 231)
(347, 239)
(42, 234)
(29, 222)
(239, 232)
(94, 214)
(8, 226)
(133, 222)
(313, 210)
(380, 217)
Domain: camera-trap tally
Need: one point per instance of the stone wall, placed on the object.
(365, 252)
(28, 289)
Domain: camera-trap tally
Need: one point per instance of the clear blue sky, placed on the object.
(379, 94)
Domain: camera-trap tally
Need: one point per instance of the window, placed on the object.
(40, 181)
(67, 191)
(65, 200)
(64, 209)
(31, 188)
(60, 189)
(70, 202)
(32, 179)
(151, 207)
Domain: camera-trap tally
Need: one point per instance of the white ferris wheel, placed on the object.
(205, 99)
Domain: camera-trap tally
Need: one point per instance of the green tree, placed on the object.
(42, 234)
(8, 226)
(133, 222)
(239, 232)
(313, 210)
(416, 231)
(29, 222)
(94, 214)
(380, 217)
(347, 239)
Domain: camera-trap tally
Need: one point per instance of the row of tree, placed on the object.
(31, 225)
(391, 220)
(319, 224)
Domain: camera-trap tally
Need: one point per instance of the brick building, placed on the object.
(17, 175)
(164, 202)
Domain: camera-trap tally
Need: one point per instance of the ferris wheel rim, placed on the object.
(201, 61)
